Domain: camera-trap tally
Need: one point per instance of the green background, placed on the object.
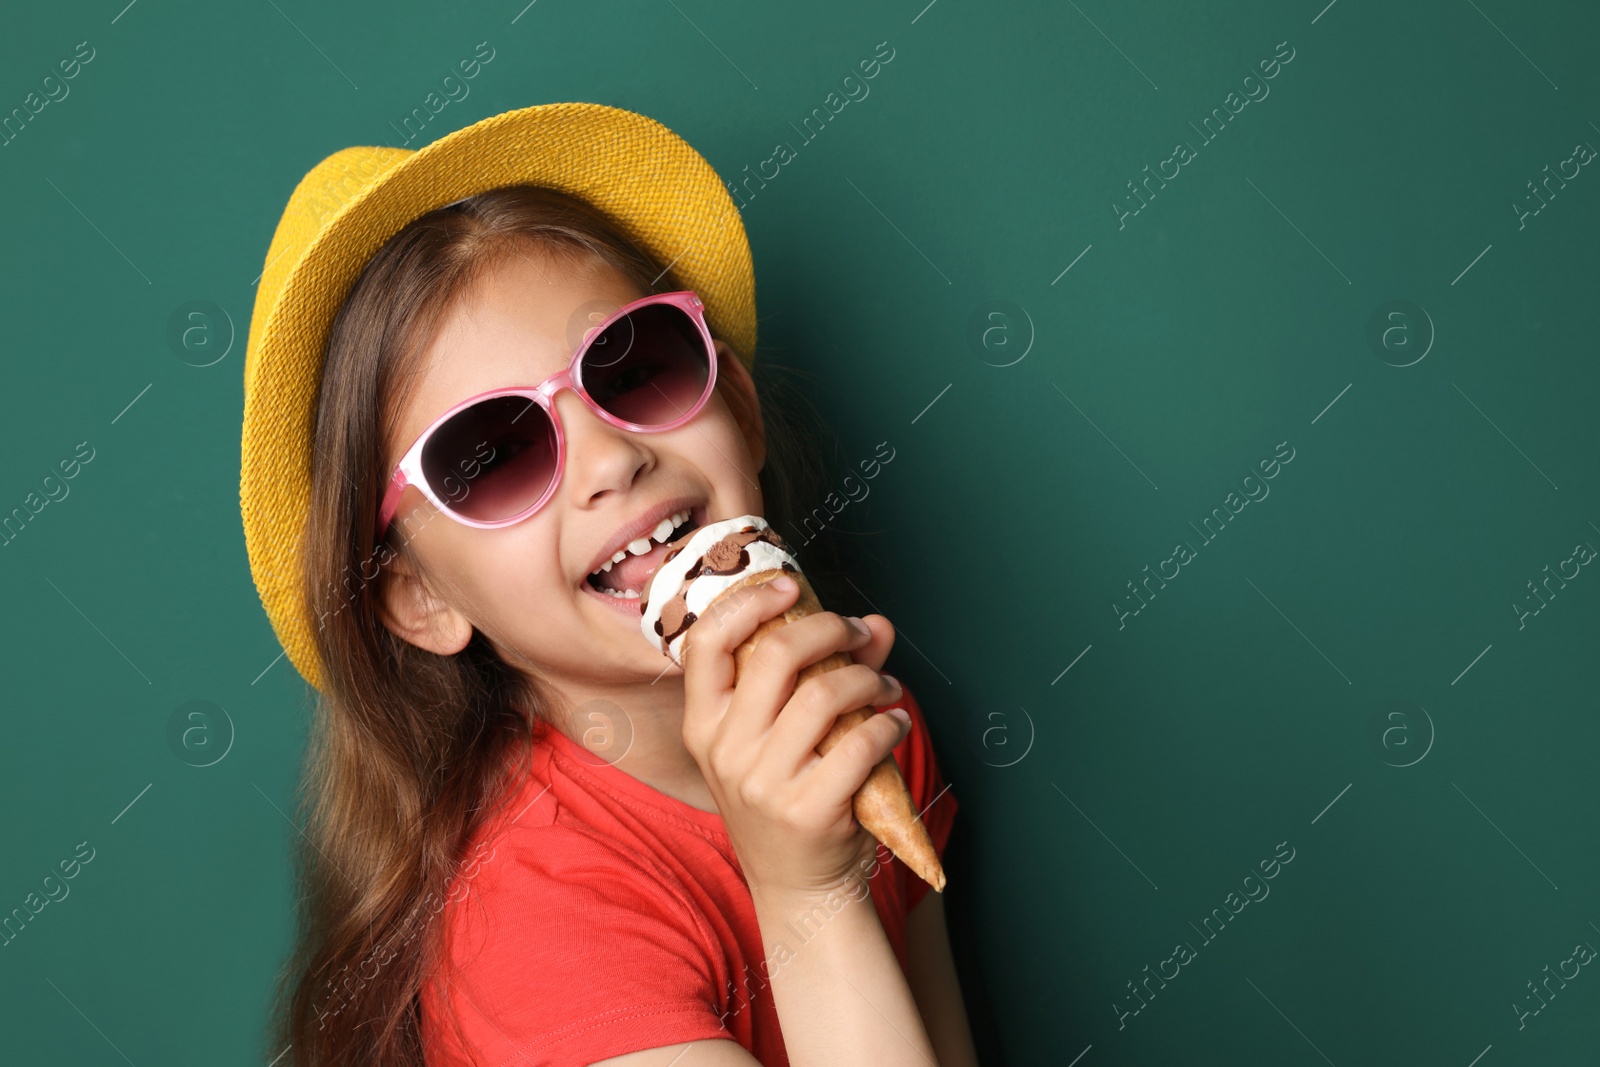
(1360, 616)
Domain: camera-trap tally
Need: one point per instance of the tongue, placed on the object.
(633, 571)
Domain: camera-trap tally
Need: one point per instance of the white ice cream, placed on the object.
(668, 579)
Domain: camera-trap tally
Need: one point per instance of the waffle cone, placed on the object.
(883, 803)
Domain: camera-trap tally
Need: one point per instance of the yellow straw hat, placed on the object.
(648, 179)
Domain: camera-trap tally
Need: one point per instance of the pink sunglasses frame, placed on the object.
(409, 470)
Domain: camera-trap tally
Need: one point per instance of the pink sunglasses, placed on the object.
(496, 458)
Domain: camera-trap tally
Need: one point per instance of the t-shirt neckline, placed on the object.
(620, 781)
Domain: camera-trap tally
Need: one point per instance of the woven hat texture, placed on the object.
(645, 177)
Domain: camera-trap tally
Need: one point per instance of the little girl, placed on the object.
(530, 838)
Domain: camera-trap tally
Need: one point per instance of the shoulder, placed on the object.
(544, 872)
(564, 945)
(566, 870)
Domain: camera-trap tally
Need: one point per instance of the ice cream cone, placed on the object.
(883, 804)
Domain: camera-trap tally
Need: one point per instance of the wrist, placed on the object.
(782, 905)
(850, 883)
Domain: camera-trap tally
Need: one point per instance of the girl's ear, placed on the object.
(413, 613)
(738, 391)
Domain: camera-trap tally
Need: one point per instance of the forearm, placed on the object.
(841, 997)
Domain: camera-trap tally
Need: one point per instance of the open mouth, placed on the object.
(623, 575)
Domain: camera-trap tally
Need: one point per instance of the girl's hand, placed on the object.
(787, 809)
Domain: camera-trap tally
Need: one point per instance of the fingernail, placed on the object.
(785, 584)
(858, 626)
(902, 714)
(892, 680)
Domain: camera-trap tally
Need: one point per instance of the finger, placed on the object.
(708, 648)
(817, 703)
(876, 651)
(842, 772)
(768, 677)
(729, 622)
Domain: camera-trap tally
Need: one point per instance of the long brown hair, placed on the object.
(411, 752)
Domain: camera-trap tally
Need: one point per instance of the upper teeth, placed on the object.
(640, 545)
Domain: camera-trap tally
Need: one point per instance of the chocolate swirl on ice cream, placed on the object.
(699, 568)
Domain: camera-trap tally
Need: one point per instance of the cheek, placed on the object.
(520, 600)
(499, 579)
(715, 442)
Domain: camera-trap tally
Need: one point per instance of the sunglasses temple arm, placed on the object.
(391, 501)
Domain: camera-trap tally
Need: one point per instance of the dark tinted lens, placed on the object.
(492, 460)
(649, 367)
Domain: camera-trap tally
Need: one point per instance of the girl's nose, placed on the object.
(600, 458)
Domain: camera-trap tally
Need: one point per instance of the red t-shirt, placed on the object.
(600, 916)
